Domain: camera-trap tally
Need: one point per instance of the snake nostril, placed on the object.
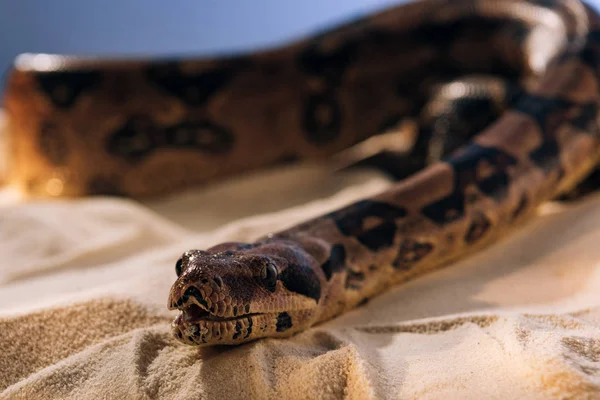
(193, 292)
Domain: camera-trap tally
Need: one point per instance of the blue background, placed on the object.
(157, 27)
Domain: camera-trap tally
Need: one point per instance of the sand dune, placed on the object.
(84, 284)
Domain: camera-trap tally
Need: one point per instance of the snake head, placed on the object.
(236, 292)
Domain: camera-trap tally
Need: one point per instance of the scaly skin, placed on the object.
(543, 145)
(153, 127)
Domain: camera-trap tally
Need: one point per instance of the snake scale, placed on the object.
(506, 95)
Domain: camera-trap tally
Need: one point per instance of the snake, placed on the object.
(503, 94)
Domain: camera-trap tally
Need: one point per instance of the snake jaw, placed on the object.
(200, 322)
(194, 308)
(194, 313)
(195, 325)
(191, 311)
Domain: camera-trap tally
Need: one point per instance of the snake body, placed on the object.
(437, 61)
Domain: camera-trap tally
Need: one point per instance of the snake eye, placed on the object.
(270, 276)
(179, 267)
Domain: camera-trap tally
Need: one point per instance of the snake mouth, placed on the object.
(196, 326)
(193, 313)
(194, 308)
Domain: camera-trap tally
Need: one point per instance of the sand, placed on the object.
(84, 285)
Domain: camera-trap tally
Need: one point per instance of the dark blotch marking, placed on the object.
(410, 252)
(354, 279)
(452, 121)
(398, 165)
(63, 88)
(301, 279)
(363, 302)
(284, 322)
(480, 224)
(465, 168)
(546, 156)
(238, 330)
(446, 210)
(381, 236)
(549, 114)
(138, 137)
(201, 135)
(350, 221)
(247, 308)
(194, 89)
(543, 110)
(322, 118)
(586, 119)
(336, 261)
(135, 139)
(235, 310)
(249, 329)
(591, 54)
(452, 207)
(495, 186)
(327, 64)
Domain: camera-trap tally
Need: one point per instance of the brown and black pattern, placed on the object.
(193, 88)
(410, 252)
(327, 64)
(354, 279)
(489, 148)
(63, 88)
(465, 170)
(140, 137)
(351, 221)
(322, 114)
(322, 117)
(336, 262)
